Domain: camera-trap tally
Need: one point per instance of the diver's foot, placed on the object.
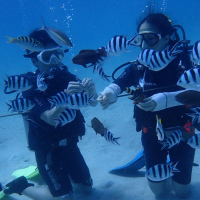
(17, 185)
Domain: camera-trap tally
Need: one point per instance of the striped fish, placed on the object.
(195, 53)
(110, 138)
(145, 56)
(158, 60)
(99, 69)
(59, 99)
(20, 105)
(172, 140)
(190, 78)
(67, 116)
(79, 100)
(117, 45)
(159, 129)
(161, 172)
(104, 132)
(58, 36)
(17, 83)
(137, 94)
(195, 116)
(194, 141)
(27, 43)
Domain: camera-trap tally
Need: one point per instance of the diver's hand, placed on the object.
(88, 86)
(147, 104)
(74, 87)
(109, 95)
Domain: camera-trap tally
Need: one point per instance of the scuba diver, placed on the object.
(156, 34)
(53, 127)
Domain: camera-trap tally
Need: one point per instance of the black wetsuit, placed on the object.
(155, 82)
(57, 154)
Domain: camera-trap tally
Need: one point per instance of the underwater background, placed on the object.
(90, 24)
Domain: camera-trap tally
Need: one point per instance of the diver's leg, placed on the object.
(153, 156)
(78, 169)
(180, 190)
(157, 188)
(183, 155)
(54, 174)
(22, 187)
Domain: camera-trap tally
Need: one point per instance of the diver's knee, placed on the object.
(180, 189)
(157, 187)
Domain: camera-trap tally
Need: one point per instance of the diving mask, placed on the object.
(56, 54)
(150, 38)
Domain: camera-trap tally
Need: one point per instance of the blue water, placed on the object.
(90, 24)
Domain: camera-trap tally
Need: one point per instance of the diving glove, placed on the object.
(74, 87)
(159, 101)
(17, 186)
(109, 95)
(88, 86)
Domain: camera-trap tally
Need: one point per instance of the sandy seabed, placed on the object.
(100, 155)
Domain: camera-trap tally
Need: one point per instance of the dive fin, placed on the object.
(29, 172)
(137, 163)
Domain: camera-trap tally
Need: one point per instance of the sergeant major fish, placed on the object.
(67, 116)
(27, 43)
(99, 69)
(172, 140)
(195, 53)
(144, 57)
(190, 78)
(161, 172)
(137, 94)
(58, 36)
(104, 132)
(195, 116)
(118, 44)
(20, 105)
(17, 83)
(158, 60)
(79, 100)
(194, 141)
(58, 100)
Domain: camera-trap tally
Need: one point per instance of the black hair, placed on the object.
(160, 21)
(41, 36)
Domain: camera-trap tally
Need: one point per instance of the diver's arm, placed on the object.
(128, 78)
(109, 95)
(160, 101)
(49, 115)
(89, 87)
